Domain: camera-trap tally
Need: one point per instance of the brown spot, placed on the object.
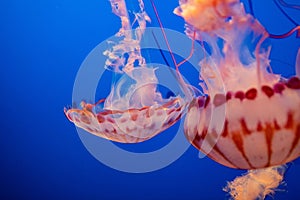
(197, 138)
(128, 130)
(276, 126)
(196, 141)
(89, 107)
(90, 129)
(269, 132)
(107, 112)
(170, 103)
(204, 133)
(238, 140)
(100, 118)
(201, 101)
(239, 143)
(267, 90)
(123, 120)
(170, 111)
(178, 109)
(259, 127)
(168, 123)
(244, 127)
(207, 100)
(148, 113)
(114, 131)
(177, 118)
(251, 94)
(223, 155)
(295, 141)
(225, 131)
(84, 118)
(143, 108)
(159, 112)
(293, 83)
(278, 88)
(110, 120)
(192, 103)
(134, 116)
(239, 95)
(290, 121)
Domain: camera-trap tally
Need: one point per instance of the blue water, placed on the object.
(43, 44)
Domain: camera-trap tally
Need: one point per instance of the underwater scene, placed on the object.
(147, 99)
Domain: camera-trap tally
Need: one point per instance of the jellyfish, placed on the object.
(260, 109)
(134, 111)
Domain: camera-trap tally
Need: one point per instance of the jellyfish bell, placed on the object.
(262, 118)
(134, 115)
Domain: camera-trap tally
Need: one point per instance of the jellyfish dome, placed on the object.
(261, 109)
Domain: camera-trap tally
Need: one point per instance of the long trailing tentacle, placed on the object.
(283, 3)
(284, 13)
(298, 64)
(180, 79)
(167, 42)
(296, 29)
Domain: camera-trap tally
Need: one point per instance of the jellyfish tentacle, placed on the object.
(163, 32)
(285, 35)
(285, 14)
(185, 86)
(298, 64)
(257, 55)
(167, 42)
(296, 28)
(191, 52)
(283, 3)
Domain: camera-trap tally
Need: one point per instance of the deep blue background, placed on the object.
(42, 46)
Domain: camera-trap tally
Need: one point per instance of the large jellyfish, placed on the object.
(134, 111)
(261, 129)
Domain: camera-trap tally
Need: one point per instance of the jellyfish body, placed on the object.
(262, 116)
(260, 110)
(262, 126)
(134, 111)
